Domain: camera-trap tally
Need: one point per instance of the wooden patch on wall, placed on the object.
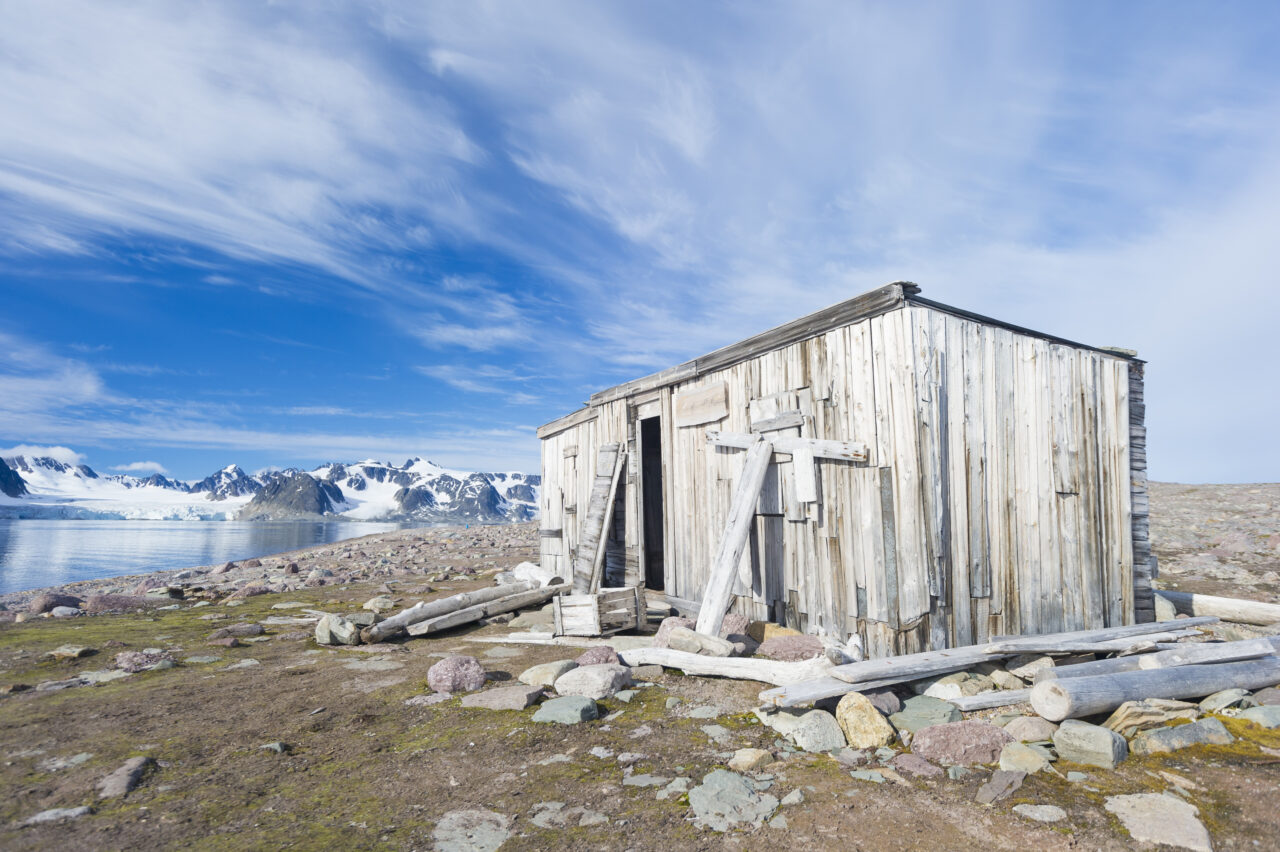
(704, 405)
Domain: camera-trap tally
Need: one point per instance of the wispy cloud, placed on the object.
(36, 451)
(141, 467)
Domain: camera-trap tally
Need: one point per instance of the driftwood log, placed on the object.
(484, 610)
(398, 623)
(887, 671)
(1228, 609)
(1181, 655)
(742, 668)
(985, 700)
(1071, 698)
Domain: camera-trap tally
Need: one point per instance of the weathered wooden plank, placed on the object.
(785, 420)
(593, 528)
(695, 407)
(854, 451)
(805, 471)
(912, 555)
(398, 623)
(987, 700)
(719, 587)
(568, 421)
(1237, 610)
(509, 603)
(1182, 655)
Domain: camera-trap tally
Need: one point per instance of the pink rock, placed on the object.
(791, 648)
(597, 656)
(734, 625)
(136, 661)
(49, 600)
(456, 674)
(668, 624)
(915, 765)
(960, 743)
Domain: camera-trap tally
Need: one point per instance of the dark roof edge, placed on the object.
(1008, 326)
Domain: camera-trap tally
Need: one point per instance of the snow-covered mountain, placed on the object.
(369, 490)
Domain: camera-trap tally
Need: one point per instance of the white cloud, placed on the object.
(34, 451)
(142, 467)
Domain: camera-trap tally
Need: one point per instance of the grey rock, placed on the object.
(1267, 697)
(1092, 745)
(1031, 729)
(921, 711)
(427, 700)
(456, 673)
(795, 797)
(1006, 680)
(871, 775)
(677, 787)
(955, 773)
(58, 815)
(645, 781)
(725, 799)
(1019, 757)
(567, 710)
(672, 702)
(471, 831)
(50, 600)
(884, 700)
(668, 624)
(137, 661)
(818, 731)
(335, 630)
(626, 695)
(239, 631)
(1025, 666)
(1220, 701)
(1157, 818)
(65, 612)
(595, 682)
(1002, 784)
(243, 664)
(56, 764)
(960, 743)
(278, 747)
(125, 779)
(648, 672)
(691, 642)
(717, 734)
(504, 698)
(749, 759)
(1204, 732)
(94, 678)
(545, 674)
(1267, 716)
(705, 711)
(1077, 777)
(1041, 813)
(199, 660)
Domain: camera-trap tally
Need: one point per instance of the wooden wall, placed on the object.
(999, 494)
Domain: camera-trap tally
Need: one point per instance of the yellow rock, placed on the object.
(764, 630)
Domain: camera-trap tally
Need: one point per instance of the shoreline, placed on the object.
(323, 557)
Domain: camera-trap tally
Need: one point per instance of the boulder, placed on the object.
(689, 641)
(381, 603)
(763, 631)
(118, 603)
(921, 711)
(333, 629)
(1268, 696)
(914, 764)
(725, 800)
(884, 700)
(1005, 680)
(862, 723)
(668, 624)
(137, 661)
(1220, 701)
(456, 674)
(1133, 716)
(567, 710)
(598, 655)
(238, 631)
(1025, 666)
(47, 601)
(594, 682)
(1159, 740)
(734, 627)
(70, 652)
(1031, 729)
(791, 649)
(1158, 818)
(818, 731)
(504, 698)
(960, 743)
(123, 780)
(749, 759)
(1092, 745)
(1268, 716)
(545, 674)
(1019, 757)
(66, 611)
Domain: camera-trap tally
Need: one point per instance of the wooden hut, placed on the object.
(933, 478)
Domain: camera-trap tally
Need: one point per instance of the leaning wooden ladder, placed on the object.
(593, 534)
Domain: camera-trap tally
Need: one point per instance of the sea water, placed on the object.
(39, 553)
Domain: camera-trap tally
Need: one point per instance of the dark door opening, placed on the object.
(651, 478)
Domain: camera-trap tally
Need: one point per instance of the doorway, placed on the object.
(651, 501)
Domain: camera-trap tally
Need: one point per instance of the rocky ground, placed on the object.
(216, 721)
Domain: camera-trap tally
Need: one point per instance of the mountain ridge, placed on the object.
(418, 490)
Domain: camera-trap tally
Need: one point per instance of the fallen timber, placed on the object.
(742, 668)
(1181, 655)
(1072, 698)
(987, 700)
(509, 603)
(1142, 643)
(1228, 609)
(401, 621)
(872, 674)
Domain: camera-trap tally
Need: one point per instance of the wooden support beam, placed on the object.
(398, 623)
(509, 603)
(715, 600)
(1183, 655)
(854, 451)
(1228, 609)
(1072, 698)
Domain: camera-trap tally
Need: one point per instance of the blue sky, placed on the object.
(279, 234)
